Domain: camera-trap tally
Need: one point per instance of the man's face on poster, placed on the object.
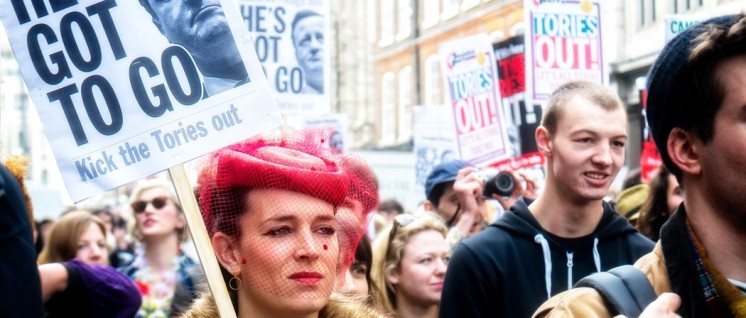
(200, 26)
(308, 39)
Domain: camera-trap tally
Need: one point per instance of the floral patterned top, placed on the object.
(157, 288)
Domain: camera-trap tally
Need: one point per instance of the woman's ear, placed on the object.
(227, 252)
(543, 141)
(181, 222)
(392, 277)
(683, 149)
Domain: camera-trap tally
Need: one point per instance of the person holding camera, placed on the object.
(542, 248)
(454, 192)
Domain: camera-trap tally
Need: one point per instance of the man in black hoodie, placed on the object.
(568, 232)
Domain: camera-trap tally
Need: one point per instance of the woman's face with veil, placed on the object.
(290, 247)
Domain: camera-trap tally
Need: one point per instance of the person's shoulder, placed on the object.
(587, 302)
(577, 302)
(341, 308)
(203, 307)
(654, 267)
(493, 234)
(638, 244)
(478, 241)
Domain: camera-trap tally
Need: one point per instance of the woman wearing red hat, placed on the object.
(270, 208)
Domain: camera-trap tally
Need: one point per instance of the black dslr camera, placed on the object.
(501, 184)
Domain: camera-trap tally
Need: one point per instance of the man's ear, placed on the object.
(683, 149)
(227, 252)
(428, 206)
(543, 141)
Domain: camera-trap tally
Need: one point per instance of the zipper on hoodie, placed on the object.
(569, 270)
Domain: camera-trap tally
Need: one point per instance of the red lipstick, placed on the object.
(307, 278)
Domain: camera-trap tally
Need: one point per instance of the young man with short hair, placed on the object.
(538, 250)
(696, 111)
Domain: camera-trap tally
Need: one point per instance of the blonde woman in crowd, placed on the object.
(167, 278)
(409, 265)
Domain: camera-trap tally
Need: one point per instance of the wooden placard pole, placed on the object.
(201, 241)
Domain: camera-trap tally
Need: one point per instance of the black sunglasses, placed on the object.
(140, 206)
(401, 220)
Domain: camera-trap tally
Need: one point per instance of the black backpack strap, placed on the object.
(625, 289)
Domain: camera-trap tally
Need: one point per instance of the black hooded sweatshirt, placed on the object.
(513, 266)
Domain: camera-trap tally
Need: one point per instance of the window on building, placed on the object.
(681, 6)
(388, 105)
(450, 9)
(386, 18)
(647, 13)
(431, 12)
(372, 21)
(405, 103)
(433, 81)
(404, 23)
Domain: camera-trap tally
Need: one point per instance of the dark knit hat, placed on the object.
(668, 79)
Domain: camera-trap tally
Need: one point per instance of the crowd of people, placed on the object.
(298, 231)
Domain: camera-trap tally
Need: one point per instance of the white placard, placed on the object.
(563, 43)
(674, 24)
(338, 139)
(292, 40)
(434, 142)
(470, 75)
(124, 92)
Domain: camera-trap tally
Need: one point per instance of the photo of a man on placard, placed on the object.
(200, 26)
(308, 41)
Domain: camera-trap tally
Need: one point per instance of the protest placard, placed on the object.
(289, 38)
(522, 118)
(336, 122)
(434, 137)
(563, 43)
(468, 66)
(124, 90)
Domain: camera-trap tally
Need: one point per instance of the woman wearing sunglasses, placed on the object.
(165, 276)
(270, 207)
(409, 264)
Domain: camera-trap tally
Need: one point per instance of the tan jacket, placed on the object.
(587, 302)
(205, 307)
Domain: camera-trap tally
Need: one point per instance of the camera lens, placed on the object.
(501, 184)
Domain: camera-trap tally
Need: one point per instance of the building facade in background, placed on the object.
(405, 36)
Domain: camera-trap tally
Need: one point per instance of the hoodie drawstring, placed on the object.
(569, 269)
(596, 256)
(539, 239)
